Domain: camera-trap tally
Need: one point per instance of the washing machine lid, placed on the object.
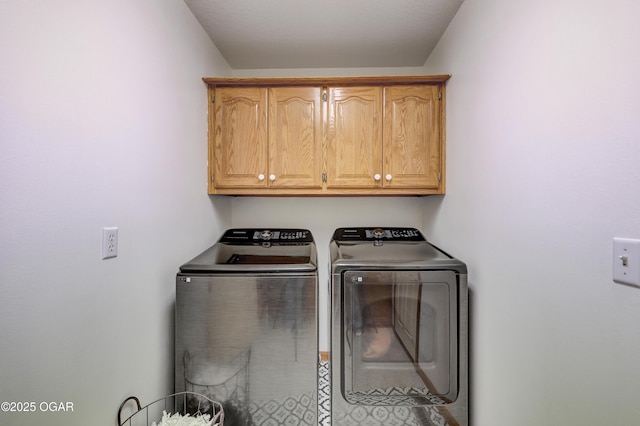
(244, 250)
(388, 247)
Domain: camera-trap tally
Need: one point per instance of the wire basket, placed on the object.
(227, 382)
(185, 403)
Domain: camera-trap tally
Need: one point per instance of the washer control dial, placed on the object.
(266, 234)
(378, 233)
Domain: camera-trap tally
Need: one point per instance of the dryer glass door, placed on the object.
(399, 337)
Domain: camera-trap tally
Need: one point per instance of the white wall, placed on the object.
(325, 72)
(102, 123)
(543, 146)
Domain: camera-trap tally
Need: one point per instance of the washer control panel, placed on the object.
(259, 235)
(373, 234)
(282, 234)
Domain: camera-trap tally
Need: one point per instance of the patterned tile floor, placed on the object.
(324, 394)
(350, 415)
(291, 412)
(297, 411)
(301, 410)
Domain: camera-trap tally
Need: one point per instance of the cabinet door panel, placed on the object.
(412, 149)
(295, 137)
(240, 138)
(354, 139)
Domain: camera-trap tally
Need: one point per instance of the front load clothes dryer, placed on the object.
(246, 326)
(398, 330)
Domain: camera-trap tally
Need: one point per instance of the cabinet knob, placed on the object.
(260, 177)
(272, 177)
(377, 176)
(388, 176)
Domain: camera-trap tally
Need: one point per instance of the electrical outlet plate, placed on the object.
(109, 242)
(626, 261)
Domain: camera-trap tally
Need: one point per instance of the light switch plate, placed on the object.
(626, 261)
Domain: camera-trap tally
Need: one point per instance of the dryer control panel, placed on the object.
(369, 234)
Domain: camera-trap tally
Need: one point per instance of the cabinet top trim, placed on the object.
(327, 81)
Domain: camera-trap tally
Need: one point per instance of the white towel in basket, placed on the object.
(178, 419)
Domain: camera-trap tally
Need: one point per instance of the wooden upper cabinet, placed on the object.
(354, 137)
(295, 137)
(327, 136)
(239, 127)
(412, 144)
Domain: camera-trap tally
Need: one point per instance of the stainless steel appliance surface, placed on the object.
(399, 332)
(246, 326)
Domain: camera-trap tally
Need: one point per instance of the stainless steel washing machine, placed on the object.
(246, 326)
(398, 330)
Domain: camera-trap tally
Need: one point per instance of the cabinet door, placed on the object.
(295, 137)
(354, 137)
(412, 143)
(240, 138)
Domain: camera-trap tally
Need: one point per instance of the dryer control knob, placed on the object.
(266, 234)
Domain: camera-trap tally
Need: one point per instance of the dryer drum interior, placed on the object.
(398, 334)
